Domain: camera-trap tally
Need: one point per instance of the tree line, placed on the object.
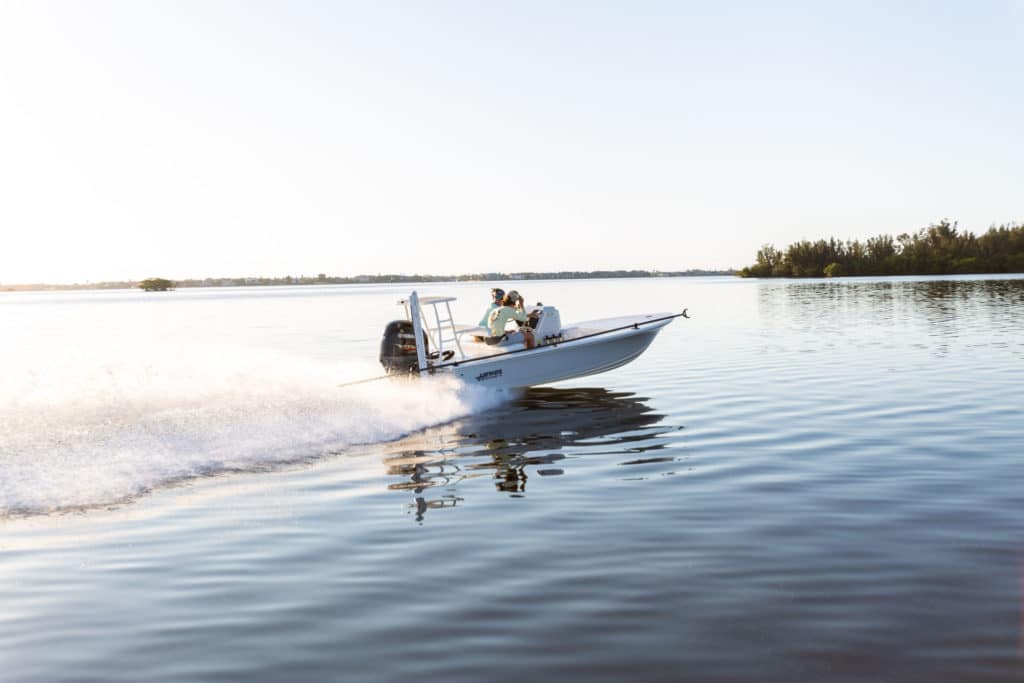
(939, 249)
(162, 284)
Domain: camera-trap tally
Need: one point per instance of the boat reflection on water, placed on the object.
(536, 434)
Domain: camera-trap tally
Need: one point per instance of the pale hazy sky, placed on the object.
(187, 139)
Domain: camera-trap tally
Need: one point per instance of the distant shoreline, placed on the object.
(323, 279)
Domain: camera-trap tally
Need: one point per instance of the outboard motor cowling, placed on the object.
(398, 348)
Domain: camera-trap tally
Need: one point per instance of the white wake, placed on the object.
(81, 432)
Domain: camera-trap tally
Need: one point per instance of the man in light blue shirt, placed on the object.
(497, 295)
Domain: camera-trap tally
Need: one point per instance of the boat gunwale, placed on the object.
(554, 345)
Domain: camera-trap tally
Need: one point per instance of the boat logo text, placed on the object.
(490, 374)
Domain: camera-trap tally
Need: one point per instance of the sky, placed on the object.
(192, 139)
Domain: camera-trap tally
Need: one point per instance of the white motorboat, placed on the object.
(432, 343)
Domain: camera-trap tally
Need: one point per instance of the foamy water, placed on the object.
(92, 420)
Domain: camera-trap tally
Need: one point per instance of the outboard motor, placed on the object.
(398, 348)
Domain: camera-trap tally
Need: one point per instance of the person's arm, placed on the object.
(496, 322)
(519, 313)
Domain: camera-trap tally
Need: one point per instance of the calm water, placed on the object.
(809, 480)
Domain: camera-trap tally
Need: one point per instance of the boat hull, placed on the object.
(557, 362)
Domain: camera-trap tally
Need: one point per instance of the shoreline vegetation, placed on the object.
(161, 284)
(939, 249)
(156, 284)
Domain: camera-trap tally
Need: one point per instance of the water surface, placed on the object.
(814, 480)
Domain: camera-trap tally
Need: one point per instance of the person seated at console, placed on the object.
(511, 309)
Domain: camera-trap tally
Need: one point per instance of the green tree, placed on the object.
(156, 284)
(937, 249)
(834, 270)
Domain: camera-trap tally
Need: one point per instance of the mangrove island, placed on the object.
(939, 249)
(156, 284)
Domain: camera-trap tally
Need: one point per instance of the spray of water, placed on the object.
(77, 432)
